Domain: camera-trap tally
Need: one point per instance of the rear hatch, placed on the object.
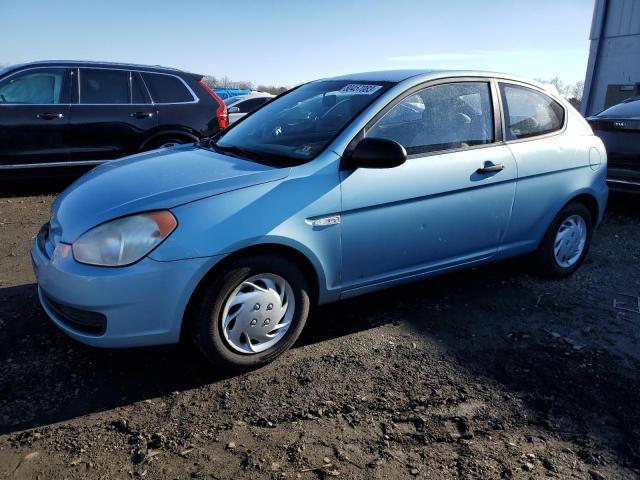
(619, 128)
(621, 137)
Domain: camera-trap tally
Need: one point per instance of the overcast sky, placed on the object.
(290, 41)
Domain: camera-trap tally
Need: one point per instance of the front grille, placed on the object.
(46, 240)
(92, 323)
(42, 238)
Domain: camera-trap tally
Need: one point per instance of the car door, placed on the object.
(112, 116)
(549, 160)
(34, 114)
(178, 106)
(440, 208)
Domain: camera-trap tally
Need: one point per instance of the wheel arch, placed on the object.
(173, 132)
(588, 201)
(307, 267)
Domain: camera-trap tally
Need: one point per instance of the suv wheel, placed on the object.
(251, 312)
(566, 242)
(163, 143)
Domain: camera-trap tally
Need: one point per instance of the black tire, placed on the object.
(205, 327)
(157, 143)
(545, 256)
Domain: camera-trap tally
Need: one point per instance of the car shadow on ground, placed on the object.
(490, 318)
(49, 377)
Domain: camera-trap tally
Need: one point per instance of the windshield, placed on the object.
(298, 125)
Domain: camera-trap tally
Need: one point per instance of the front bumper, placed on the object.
(142, 304)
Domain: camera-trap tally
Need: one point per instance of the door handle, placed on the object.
(141, 115)
(490, 167)
(49, 116)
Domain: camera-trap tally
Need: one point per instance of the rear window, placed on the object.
(251, 104)
(628, 108)
(101, 86)
(166, 88)
(231, 100)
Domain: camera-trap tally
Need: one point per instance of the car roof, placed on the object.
(246, 96)
(98, 64)
(420, 75)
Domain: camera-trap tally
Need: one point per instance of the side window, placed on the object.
(166, 88)
(44, 86)
(410, 110)
(137, 89)
(529, 113)
(250, 105)
(442, 117)
(101, 86)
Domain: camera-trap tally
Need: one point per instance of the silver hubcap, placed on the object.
(258, 313)
(570, 241)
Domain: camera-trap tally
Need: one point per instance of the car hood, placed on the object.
(150, 181)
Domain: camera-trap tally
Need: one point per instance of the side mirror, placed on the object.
(377, 153)
(233, 110)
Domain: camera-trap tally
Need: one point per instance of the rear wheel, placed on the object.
(566, 242)
(251, 312)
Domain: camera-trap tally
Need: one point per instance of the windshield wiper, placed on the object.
(237, 151)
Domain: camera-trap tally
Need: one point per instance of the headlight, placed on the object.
(125, 240)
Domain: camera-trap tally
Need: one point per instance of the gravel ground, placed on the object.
(488, 373)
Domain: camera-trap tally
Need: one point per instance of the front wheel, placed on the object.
(251, 312)
(566, 242)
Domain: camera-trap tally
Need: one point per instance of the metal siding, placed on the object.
(598, 12)
(614, 56)
(621, 19)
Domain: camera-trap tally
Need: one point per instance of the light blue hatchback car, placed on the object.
(339, 187)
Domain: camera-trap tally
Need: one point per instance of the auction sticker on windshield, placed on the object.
(359, 89)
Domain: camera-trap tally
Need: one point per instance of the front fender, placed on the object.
(271, 213)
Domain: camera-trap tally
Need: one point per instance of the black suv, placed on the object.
(59, 113)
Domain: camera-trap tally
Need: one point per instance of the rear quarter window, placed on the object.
(529, 113)
(166, 88)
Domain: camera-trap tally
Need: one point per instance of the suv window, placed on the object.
(166, 88)
(42, 86)
(440, 117)
(529, 113)
(137, 90)
(251, 104)
(102, 86)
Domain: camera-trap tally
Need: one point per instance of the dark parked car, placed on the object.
(619, 129)
(69, 113)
